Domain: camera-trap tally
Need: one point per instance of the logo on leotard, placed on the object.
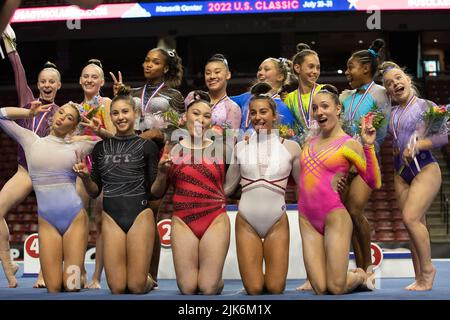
(118, 158)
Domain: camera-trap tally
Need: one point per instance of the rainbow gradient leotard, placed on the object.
(317, 198)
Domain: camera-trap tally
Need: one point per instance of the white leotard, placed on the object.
(265, 166)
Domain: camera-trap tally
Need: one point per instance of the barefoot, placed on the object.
(151, 284)
(10, 268)
(39, 282)
(411, 286)
(306, 286)
(426, 281)
(12, 281)
(368, 279)
(94, 284)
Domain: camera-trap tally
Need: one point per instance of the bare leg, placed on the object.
(154, 264)
(139, 248)
(185, 251)
(250, 254)
(401, 191)
(276, 256)
(51, 256)
(14, 192)
(114, 249)
(422, 192)
(338, 232)
(7, 11)
(314, 256)
(213, 250)
(96, 277)
(357, 198)
(74, 246)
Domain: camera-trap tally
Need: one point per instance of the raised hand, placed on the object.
(80, 166)
(37, 107)
(117, 82)
(165, 163)
(368, 132)
(93, 123)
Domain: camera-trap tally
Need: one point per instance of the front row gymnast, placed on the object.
(131, 171)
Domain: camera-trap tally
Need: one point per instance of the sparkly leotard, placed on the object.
(198, 190)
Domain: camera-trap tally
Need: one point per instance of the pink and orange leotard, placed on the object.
(317, 197)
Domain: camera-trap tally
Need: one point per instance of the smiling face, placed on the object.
(155, 66)
(398, 85)
(325, 111)
(268, 72)
(216, 76)
(123, 116)
(48, 84)
(65, 120)
(262, 115)
(357, 73)
(198, 118)
(91, 80)
(309, 71)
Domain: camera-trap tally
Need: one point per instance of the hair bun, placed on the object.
(201, 95)
(97, 62)
(330, 88)
(124, 91)
(49, 64)
(260, 88)
(377, 45)
(302, 46)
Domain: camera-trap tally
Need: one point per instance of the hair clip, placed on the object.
(326, 91)
(171, 53)
(282, 60)
(373, 53)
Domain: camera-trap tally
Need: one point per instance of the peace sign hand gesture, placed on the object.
(93, 123)
(117, 82)
(36, 107)
(80, 167)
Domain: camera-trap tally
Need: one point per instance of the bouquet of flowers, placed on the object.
(434, 120)
(90, 109)
(172, 119)
(285, 131)
(376, 116)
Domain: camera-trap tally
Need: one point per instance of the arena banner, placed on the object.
(189, 8)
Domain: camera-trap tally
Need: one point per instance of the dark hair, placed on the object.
(218, 57)
(199, 96)
(260, 91)
(174, 74)
(303, 50)
(124, 94)
(371, 55)
(332, 91)
(51, 65)
(97, 62)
